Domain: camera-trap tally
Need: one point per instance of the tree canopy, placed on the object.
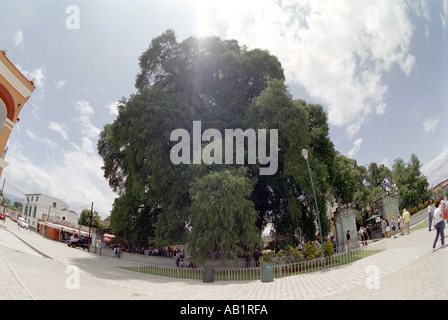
(219, 207)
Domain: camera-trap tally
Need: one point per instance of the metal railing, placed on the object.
(342, 256)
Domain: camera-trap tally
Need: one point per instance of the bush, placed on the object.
(328, 248)
(311, 251)
(293, 255)
(267, 257)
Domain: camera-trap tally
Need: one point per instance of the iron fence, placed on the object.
(342, 255)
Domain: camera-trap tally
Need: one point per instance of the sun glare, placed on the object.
(202, 18)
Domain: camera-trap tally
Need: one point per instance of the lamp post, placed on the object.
(305, 155)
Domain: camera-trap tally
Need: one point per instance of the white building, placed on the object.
(38, 206)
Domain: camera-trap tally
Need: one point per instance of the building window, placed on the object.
(54, 204)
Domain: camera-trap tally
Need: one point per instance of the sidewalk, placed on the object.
(407, 269)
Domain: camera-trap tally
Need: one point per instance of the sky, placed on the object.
(379, 68)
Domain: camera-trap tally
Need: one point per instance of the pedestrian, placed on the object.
(383, 228)
(363, 236)
(349, 240)
(392, 224)
(387, 229)
(257, 258)
(406, 219)
(400, 225)
(333, 242)
(439, 224)
(444, 208)
(430, 214)
(277, 249)
(247, 259)
(178, 255)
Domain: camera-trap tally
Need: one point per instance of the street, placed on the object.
(407, 269)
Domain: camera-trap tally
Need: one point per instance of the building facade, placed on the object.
(41, 207)
(15, 90)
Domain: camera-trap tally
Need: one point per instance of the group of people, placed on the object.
(402, 224)
(387, 229)
(257, 256)
(437, 217)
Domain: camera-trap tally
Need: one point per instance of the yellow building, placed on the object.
(15, 90)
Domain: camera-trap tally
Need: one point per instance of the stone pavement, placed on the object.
(406, 270)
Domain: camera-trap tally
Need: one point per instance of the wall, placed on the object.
(345, 220)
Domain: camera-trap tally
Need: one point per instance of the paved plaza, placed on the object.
(35, 268)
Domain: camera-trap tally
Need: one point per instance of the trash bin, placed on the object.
(208, 274)
(267, 272)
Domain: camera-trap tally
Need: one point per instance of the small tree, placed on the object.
(85, 216)
(223, 219)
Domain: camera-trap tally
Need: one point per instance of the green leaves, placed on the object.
(223, 218)
(411, 183)
(214, 207)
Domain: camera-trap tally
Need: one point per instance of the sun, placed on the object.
(202, 18)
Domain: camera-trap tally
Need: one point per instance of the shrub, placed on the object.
(311, 251)
(328, 248)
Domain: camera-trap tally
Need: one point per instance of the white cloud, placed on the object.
(355, 149)
(437, 170)
(85, 112)
(73, 173)
(421, 8)
(430, 125)
(18, 39)
(338, 50)
(60, 84)
(76, 177)
(60, 128)
(38, 138)
(444, 13)
(113, 108)
(37, 76)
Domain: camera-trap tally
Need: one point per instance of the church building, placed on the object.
(15, 90)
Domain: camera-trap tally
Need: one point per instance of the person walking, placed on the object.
(430, 214)
(439, 224)
(444, 209)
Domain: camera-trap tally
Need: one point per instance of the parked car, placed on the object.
(2, 216)
(22, 223)
(76, 242)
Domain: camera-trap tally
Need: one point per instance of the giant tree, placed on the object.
(224, 86)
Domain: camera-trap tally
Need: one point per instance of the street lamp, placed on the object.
(305, 155)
